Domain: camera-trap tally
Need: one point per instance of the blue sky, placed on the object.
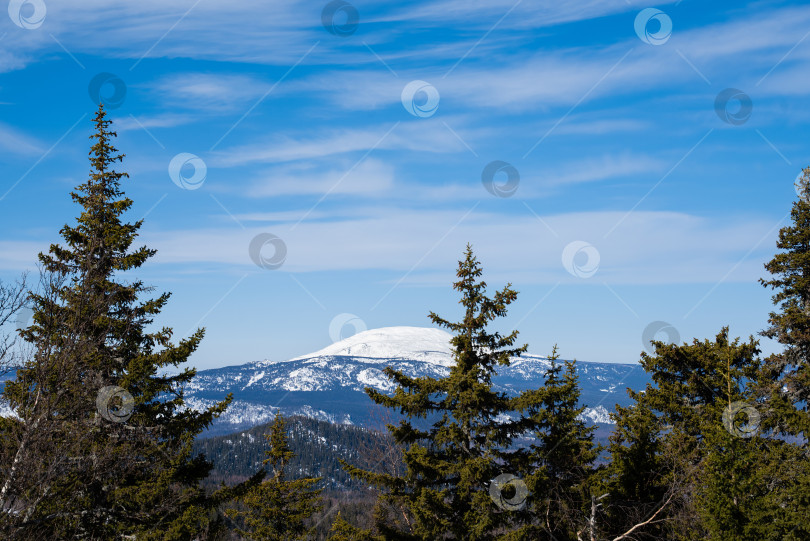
(628, 185)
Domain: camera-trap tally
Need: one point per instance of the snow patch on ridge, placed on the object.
(254, 378)
(374, 377)
(598, 415)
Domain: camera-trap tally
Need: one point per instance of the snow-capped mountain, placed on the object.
(328, 384)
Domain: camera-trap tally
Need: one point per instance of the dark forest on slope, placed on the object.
(318, 448)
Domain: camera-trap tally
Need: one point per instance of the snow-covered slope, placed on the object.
(411, 343)
(329, 383)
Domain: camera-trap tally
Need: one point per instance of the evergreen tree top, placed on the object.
(472, 342)
(790, 271)
(279, 453)
(100, 240)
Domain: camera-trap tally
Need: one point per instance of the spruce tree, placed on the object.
(101, 445)
(278, 508)
(790, 323)
(696, 445)
(784, 381)
(456, 429)
(558, 464)
(637, 477)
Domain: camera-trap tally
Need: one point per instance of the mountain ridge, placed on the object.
(329, 383)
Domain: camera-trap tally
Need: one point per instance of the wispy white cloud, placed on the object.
(20, 255)
(592, 169)
(250, 31)
(208, 92)
(281, 33)
(537, 82)
(485, 13)
(374, 178)
(272, 33)
(761, 36)
(167, 120)
(582, 125)
(287, 216)
(371, 177)
(14, 141)
(648, 248)
(429, 136)
(545, 79)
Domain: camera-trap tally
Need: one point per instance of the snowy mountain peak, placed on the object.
(330, 384)
(412, 343)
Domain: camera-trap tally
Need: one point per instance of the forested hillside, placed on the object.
(318, 447)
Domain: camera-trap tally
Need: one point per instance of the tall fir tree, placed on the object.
(278, 508)
(637, 477)
(456, 430)
(558, 464)
(101, 446)
(697, 446)
(784, 382)
(790, 323)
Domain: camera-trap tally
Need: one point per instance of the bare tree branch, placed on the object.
(13, 298)
(650, 520)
